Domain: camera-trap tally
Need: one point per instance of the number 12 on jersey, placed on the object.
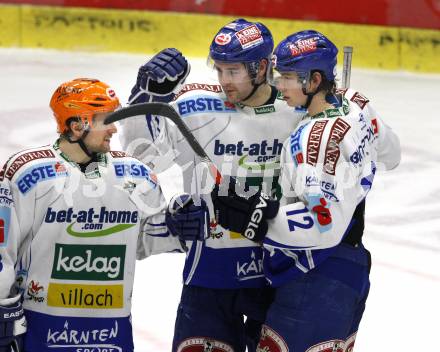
(301, 221)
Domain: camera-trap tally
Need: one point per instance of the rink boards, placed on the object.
(132, 31)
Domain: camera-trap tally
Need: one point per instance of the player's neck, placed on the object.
(260, 97)
(73, 151)
(318, 104)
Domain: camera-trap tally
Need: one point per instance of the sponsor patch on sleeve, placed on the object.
(215, 88)
(332, 152)
(117, 154)
(359, 99)
(25, 158)
(314, 141)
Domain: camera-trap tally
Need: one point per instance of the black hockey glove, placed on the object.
(247, 216)
(186, 220)
(12, 328)
(160, 77)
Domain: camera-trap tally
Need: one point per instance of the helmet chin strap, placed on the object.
(309, 97)
(81, 143)
(255, 86)
(254, 89)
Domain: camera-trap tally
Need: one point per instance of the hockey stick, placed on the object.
(167, 111)
(346, 68)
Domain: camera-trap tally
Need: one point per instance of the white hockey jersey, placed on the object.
(328, 167)
(69, 242)
(242, 141)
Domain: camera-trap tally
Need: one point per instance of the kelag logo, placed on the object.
(135, 170)
(38, 173)
(88, 262)
(91, 220)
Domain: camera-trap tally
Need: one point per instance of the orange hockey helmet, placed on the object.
(82, 98)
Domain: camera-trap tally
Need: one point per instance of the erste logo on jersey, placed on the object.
(40, 172)
(204, 103)
(249, 37)
(295, 146)
(135, 170)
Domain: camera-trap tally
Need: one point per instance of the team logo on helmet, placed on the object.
(111, 93)
(223, 38)
(303, 46)
(249, 36)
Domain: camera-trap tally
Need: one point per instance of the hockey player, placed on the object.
(74, 215)
(241, 124)
(313, 251)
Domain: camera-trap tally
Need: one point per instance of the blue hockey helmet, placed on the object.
(243, 42)
(304, 52)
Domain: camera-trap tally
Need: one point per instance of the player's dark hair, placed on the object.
(329, 87)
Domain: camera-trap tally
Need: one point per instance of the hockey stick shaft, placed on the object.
(346, 68)
(167, 111)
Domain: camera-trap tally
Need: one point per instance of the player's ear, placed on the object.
(262, 68)
(75, 127)
(315, 80)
